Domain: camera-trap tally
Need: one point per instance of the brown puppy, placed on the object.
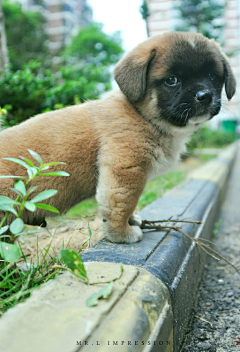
(169, 86)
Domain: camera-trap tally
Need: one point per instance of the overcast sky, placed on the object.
(122, 15)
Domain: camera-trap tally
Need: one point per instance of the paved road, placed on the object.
(216, 323)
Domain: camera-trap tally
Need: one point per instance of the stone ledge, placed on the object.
(56, 319)
(154, 298)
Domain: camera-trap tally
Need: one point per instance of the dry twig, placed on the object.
(152, 225)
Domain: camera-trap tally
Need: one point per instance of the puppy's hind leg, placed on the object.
(118, 192)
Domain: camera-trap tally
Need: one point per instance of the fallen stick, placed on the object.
(152, 225)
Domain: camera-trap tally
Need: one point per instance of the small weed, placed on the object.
(157, 187)
(17, 281)
(217, 226)
(24, 190)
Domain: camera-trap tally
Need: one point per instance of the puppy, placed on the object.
(169, 86)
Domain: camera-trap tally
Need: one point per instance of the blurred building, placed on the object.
(64, 18)
(162, 18)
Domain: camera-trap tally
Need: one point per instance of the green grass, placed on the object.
(157, 187)
(85, 208)
(17, 284)
(209, 138)
(18, 281)
(204, 158)
(153, 190)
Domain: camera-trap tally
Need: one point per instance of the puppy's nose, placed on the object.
(204, 97)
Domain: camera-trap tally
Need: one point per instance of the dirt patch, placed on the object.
(73, 233)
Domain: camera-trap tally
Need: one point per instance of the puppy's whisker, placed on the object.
(187, 115)
(182, 115)
(178, 107)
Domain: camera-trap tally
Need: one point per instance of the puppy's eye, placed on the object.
(172, 81)
(212, 76)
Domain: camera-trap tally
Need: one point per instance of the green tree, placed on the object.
(145, 14)
(83, 75)
(28, 92)
(205, 17)
(92, 45)
(4, 60)
(26, 36)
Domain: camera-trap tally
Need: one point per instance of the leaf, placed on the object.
(31, 231)
(8, 207)
(54, 163)
(7, 201)
(10, 176)
(44, 168)
(16, 191)
(89, 230)
(75, 263)
(16, 226)
(32, 171)
(9, 252)
(47, 207)
(31, 190)
(20, 186)
(26, 160)
(103, 293)
(62, 247)
(44, 195)
(36, 157)
(3, 229)
(18, 161)
(55, 173)
(30, 206)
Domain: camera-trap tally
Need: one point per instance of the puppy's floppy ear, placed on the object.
(229, 79)
(131, 71)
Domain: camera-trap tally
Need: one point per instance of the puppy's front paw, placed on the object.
(135, 220)
(135, 235)
(131, 234)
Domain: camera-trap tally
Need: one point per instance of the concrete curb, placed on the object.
(151, 304)
(172, 258)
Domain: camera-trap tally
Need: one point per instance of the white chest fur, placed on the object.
(167, 157)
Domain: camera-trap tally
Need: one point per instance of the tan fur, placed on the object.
(110, 146)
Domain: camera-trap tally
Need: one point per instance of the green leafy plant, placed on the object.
(209, 138)
(18, 281)
(28, 91)
(24, 200)
(204, 17)
(144, 10)
(83, 74)
(92, 45)
(3, 115)
(74, 263)
(26, 40)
